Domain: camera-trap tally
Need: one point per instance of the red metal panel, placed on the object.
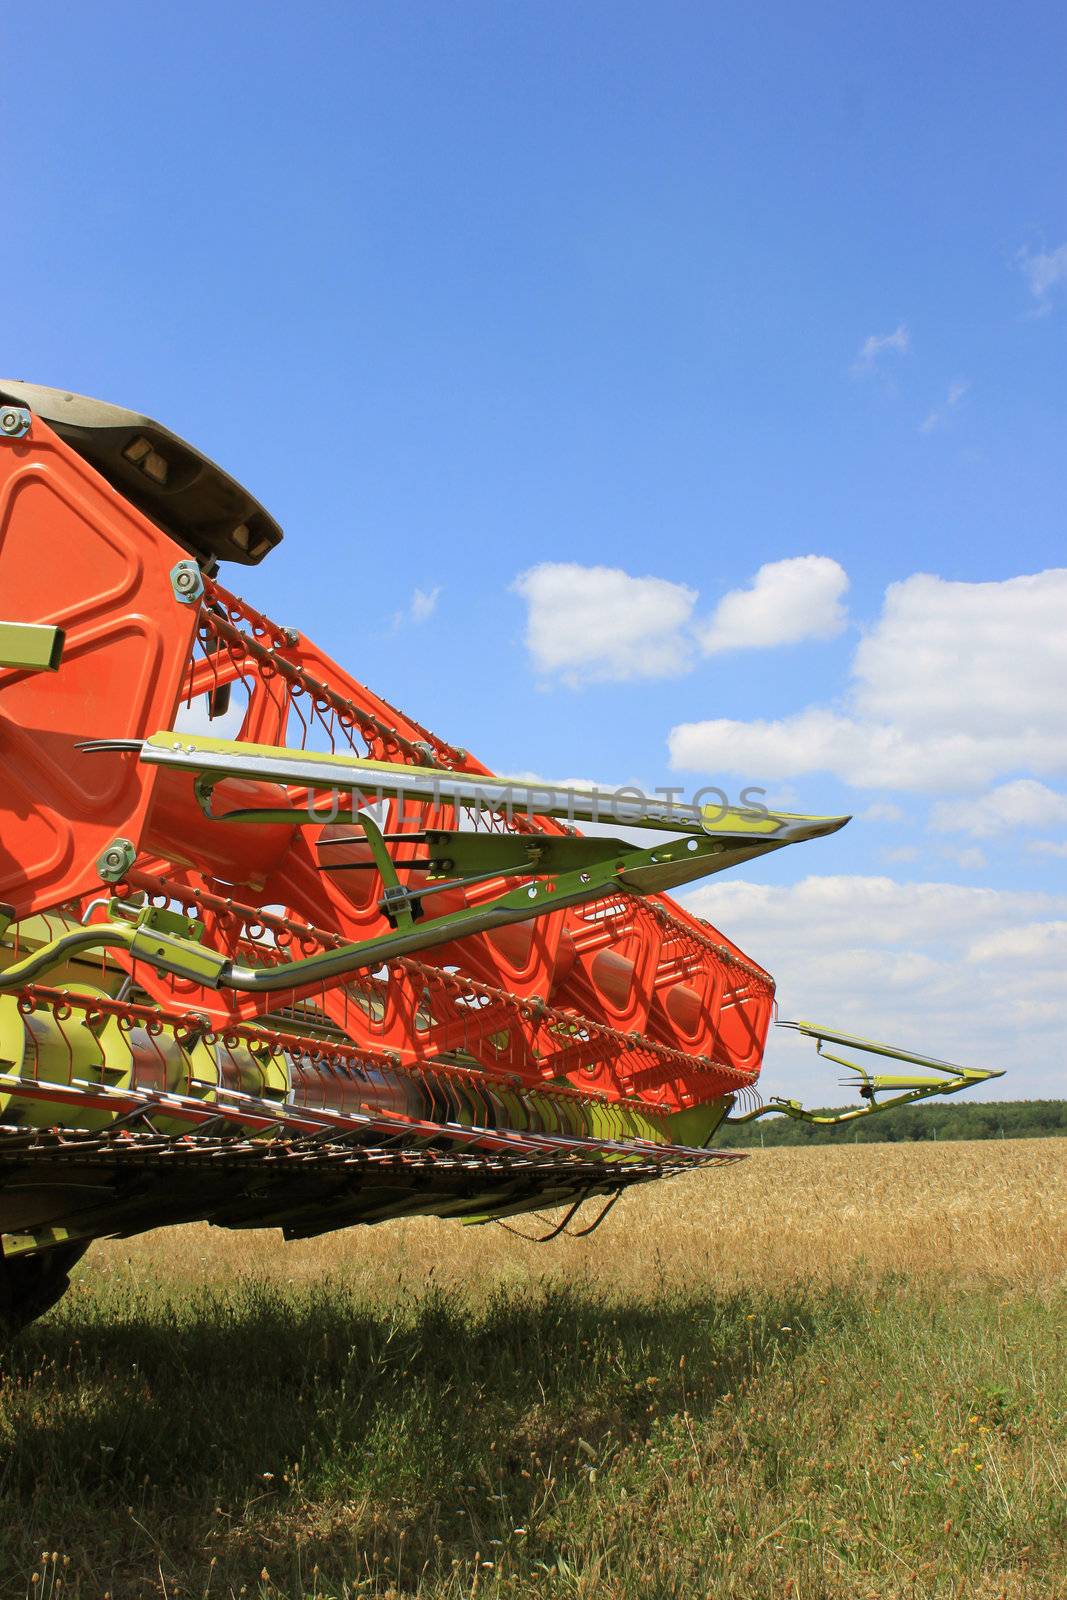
(75, 555)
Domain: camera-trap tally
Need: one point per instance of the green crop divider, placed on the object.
(902, 1087)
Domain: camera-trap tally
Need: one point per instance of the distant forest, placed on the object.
(988, 1119)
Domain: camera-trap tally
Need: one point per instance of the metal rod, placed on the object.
(361, 838)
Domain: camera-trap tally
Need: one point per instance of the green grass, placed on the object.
(267, 1439)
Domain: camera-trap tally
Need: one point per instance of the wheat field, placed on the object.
(821, 1373)
(970, 1213)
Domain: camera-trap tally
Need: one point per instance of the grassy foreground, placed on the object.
(831, 1372)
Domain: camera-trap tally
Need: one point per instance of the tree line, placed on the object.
(987, 1119)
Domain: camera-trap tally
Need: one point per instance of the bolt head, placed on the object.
(186, 581)
(116, 860)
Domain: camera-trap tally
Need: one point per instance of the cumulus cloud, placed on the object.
(1031, 942)
(876, 344)
(1044, 271)
(862, 753)
(1048, 847)
(1024, 803)
(589, 624)
(599, 623)
(799, 598)
(964, 973)
(955, 685)
(984, 656)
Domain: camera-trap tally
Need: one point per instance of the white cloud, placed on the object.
(1048, 847)
(420, 608)
(882, 811)
(799, 598)
(984, 656)
(962, 973)
(955, 685)
(969, 859)
(935, 418)
(538, 778)
(867, 755)
(901, 852)
(876, 344)
(424, 603)
(1044, 272)
(600, 624)
(1023, 803)
(1033, 941)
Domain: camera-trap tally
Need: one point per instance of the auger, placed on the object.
(274, 954)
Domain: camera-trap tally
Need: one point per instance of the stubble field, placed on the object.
(834, 1372)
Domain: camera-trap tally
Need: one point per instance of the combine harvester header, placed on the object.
(330, 969)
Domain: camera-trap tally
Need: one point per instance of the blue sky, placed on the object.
(471, 292)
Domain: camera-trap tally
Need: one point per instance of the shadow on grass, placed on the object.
(264, 1413)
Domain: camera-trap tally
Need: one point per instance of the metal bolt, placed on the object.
(187, 582)
(116, 860)
(14, 422)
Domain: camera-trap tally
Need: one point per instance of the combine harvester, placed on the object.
(327, 970)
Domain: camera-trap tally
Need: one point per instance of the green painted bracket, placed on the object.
(30, 646)
(31, 1244)
(902, 1087)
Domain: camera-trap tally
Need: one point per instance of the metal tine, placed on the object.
(209, 1127)
(131, 1118)
(390, 838)
(372, 866)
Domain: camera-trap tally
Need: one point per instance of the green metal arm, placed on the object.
(160, 937)
(902, 1087)
(170, 942)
